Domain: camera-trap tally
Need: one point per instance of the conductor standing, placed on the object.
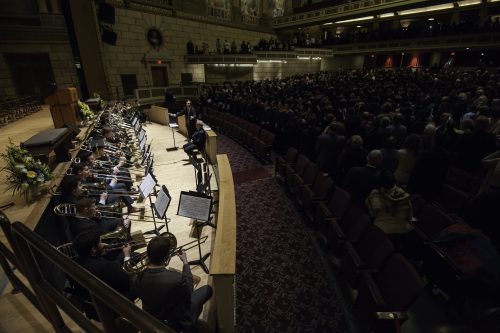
(191, 117)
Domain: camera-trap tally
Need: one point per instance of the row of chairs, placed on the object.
(256, 139)
(17, 108)
(384, 281)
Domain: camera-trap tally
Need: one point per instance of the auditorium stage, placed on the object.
(171, 168)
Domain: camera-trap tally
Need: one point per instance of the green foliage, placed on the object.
(24, 173)
(84, 111)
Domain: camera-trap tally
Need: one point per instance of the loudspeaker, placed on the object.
(106, 13)
(109, 36)
(186, 79)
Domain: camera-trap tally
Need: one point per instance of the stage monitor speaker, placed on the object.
(106, 13)
(109, 36)
(186, 79)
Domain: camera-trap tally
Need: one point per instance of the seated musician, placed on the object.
(118, 169)
(91, 253)
(110, 137)
(169, 295)
(197, 140)
(82, 171)
(87, 218)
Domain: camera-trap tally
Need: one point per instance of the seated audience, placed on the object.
(360, 181)
(390, 207)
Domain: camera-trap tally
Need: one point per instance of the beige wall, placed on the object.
(127, 57)
(264, 70)
(343, 62)
(61, 58)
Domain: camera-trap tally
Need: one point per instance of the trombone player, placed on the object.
(87, 218)
(92, 256)
(169, 295)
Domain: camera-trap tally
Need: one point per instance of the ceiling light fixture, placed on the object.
(426, 9)
(364, 18)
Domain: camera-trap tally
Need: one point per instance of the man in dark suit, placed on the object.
(86, 219)
(197, 140)
(91, 253)
(191, 117)
(360, 181)
(169, 295)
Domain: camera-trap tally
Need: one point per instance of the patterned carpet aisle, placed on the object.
(282, 286)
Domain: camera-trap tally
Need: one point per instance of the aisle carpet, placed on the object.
(281, 285)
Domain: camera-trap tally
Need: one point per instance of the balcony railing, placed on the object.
(220, 13)
(351, 8)
(251, 19)
(482, 40)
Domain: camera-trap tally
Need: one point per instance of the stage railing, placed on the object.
(31, 253)
(152, 95)
(223, 261)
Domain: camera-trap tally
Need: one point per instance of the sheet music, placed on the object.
(195, 206)
(142, 134)
(143, 143)
(162, 202)
(147, 185)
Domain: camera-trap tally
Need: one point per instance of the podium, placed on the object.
(181, 120)
(63, 107)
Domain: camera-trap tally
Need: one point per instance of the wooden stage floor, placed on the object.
(171, 169)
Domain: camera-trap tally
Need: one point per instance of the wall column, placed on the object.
(89, 42)
(42, 6)
(435, 58)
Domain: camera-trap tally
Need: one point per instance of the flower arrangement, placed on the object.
(25, 174)
(84, 111)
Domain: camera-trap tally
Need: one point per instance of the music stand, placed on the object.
(145, 188)
(142, 133)
(198, 207)
(142, 144)
(172, 126)
(134, 120)
(160, 207)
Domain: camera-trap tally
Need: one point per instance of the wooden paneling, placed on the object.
(158, 115)
(181, 120)
(211, 146)
(223, 261)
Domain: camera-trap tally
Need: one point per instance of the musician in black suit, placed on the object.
(169, 295)
(91, 256)
(197, 140)
(191, 117)
(86, 219)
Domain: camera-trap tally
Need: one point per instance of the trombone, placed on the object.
(67, 209)
(140, 262)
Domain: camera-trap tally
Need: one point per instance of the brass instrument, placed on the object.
(120, 233)
(69, 251)
(68, 209)
(140, 262)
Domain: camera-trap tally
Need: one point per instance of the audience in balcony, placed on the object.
(415, 29)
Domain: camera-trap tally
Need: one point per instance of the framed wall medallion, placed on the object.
(155, 38)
